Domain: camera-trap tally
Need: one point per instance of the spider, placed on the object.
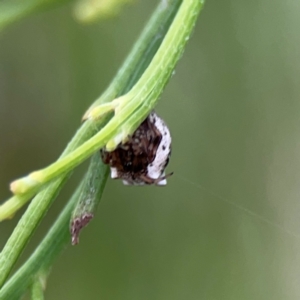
(143, 158)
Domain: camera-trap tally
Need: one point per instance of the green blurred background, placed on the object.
(227, 224)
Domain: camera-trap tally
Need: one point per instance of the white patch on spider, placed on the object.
(126, 182)
(114, 173)
(157, 167)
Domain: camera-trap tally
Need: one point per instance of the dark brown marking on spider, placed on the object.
(137, 153)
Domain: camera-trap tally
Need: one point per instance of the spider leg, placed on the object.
(149, 180)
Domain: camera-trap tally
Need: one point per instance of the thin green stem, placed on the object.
(142, 52)
(26, 227)
(134, 65)
(131, 71)
(89, 199)
(8, 208)
(54, 242)
(35, 212)
(153, 79)
(38, 285)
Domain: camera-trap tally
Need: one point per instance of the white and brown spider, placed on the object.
(144, 157)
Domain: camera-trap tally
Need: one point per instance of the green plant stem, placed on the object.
(144, 94)
(9, 208)
(26, 227)
(134, 65)
(56, 239)
(37, 292)
(34, 214)
(89, 200)
(38, 285)
(126, 77)
(141, 54)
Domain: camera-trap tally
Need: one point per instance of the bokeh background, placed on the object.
(227, 224)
